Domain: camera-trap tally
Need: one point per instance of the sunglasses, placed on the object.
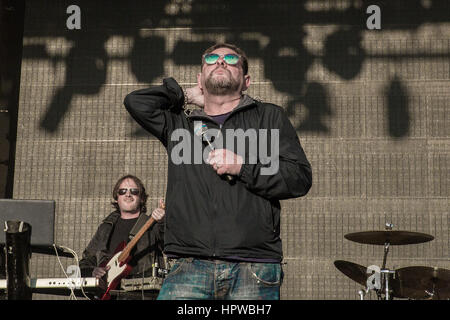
(230, 58)
(133, 191)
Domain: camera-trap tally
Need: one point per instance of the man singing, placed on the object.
(223, 213)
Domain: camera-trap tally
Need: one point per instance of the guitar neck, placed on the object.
(126, 251)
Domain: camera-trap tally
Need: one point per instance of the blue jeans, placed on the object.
(197, 279)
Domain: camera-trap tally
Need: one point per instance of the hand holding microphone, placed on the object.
(223, 161)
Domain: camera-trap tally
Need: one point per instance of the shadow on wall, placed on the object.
(86, 63)
(398, 111)
(272, 32)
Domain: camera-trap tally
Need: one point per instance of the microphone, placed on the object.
(200, 130)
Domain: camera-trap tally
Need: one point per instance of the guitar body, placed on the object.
(117, 270)
(118, 264)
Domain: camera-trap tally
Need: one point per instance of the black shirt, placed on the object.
(120, 233)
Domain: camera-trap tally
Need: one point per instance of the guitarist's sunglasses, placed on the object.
(133, 191)
(230, 58)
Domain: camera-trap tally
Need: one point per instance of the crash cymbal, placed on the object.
(422, 283)
(389, 236)
(353, 271)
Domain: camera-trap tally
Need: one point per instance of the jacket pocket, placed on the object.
(267, 217)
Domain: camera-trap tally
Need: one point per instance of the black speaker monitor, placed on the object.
(40, 214)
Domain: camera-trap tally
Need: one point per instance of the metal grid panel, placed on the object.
(376, 131)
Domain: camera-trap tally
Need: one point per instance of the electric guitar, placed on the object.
(119, 267)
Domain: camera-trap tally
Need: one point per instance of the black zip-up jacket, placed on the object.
(206, 215)
(147, 248)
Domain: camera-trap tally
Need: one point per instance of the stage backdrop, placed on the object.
(370, 107)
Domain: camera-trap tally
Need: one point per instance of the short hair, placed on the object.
(142, 194)
(236, 49)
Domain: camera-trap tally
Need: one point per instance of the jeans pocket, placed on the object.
(177, 266)
(270, 274)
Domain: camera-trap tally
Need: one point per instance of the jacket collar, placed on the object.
(246, 101)
(112, 217)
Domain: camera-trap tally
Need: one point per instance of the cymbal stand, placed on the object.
(388, 226)
(386, 272)
(386, 251)
(362, 293)
(431, 294)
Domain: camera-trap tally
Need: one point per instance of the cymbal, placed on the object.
(389, 236)
(353, 271)
(415, 282)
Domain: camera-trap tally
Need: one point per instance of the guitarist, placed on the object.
(129, 202)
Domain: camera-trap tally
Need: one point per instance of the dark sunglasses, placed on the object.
(230, 58)
(133, 191)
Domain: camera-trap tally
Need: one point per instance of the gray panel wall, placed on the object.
(370, 108)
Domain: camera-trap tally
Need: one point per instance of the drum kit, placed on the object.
(418, 282)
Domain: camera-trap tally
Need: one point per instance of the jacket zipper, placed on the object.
(206, 117)
(214, 239)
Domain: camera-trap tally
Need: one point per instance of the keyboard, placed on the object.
(62, 286)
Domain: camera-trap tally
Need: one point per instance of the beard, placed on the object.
(133, 209)
(222, 85)
(128, 207)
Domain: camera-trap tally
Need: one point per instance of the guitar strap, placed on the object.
(138, 225)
